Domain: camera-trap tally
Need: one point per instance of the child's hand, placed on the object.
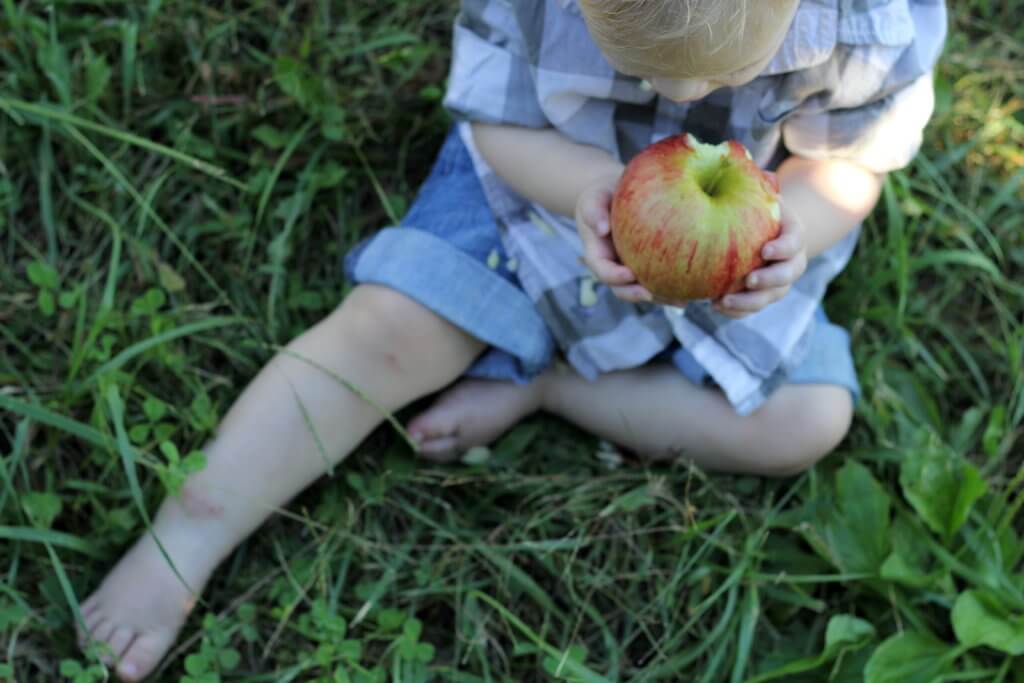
(786, 256)
(593, 211)
(787, 260)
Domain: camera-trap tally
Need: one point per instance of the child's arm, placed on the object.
(567, 178)
(821, 200)
(543, 165)
(831, 197)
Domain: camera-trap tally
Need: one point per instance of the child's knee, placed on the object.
(387, 324)
(391, 333)
(805, 426)
(379, 318)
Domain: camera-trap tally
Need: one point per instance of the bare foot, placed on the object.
(141, 605)
(474, 412)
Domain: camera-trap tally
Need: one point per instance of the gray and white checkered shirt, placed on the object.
(852, 80)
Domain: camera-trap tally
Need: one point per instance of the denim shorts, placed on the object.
(447, 254)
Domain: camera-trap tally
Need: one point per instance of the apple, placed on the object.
(690, 219)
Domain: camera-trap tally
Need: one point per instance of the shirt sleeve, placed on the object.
(878, 101)
(883, 135)
(491, 79)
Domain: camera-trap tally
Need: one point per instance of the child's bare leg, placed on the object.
(391, 347)
(474, 412)
(654, 411)
(658, 413)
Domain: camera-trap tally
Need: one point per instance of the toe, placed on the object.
(94, 628)
(93, 619)
(119, 641)
(92, 636)
(434, 423)
(424, 430)
(89, 606)
(443, 449)
(104, 630)
(142, 656)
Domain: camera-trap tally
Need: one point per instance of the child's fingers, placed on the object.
(789, 241)
(784, 247)
(779, 274)
(743, 303)
(599, 255)
(608, 271)
(633, 293)
(595, 210)
(729, 313)
(593, 224)
(595, 216)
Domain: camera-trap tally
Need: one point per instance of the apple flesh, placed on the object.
(690, 219)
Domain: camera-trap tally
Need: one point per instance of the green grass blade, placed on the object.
(385, 413)
(1004, 196)
(150, 196)
(14, 21)
(280, 245)
(516, 575)
(116, 406)
(898, 243)
(286, 154)
(54, 114)
(312, 428)
(46, 213)
(751, 610)
(678, 660)
(48, 417)
(141, 347)
(65, 585)
(795, 666)
(959, 257)
(261, 208)
(381, 194)
(17, 453)
(82, 349)
(129, 39)
(107, 301)
(357, 49)
(49, 537)
(570, 666)
(145, 206)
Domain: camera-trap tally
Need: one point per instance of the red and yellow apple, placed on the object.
(690, 219)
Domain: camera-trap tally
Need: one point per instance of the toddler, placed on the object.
(503, 276)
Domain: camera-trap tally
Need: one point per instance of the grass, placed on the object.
(178, 182)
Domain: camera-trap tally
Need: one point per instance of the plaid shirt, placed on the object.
(852, 80)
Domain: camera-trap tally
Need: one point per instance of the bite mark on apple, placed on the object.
(705, 150)
(776, 211)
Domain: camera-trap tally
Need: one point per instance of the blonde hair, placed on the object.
(680, 32)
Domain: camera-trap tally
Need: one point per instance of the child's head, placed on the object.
(687, 48)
